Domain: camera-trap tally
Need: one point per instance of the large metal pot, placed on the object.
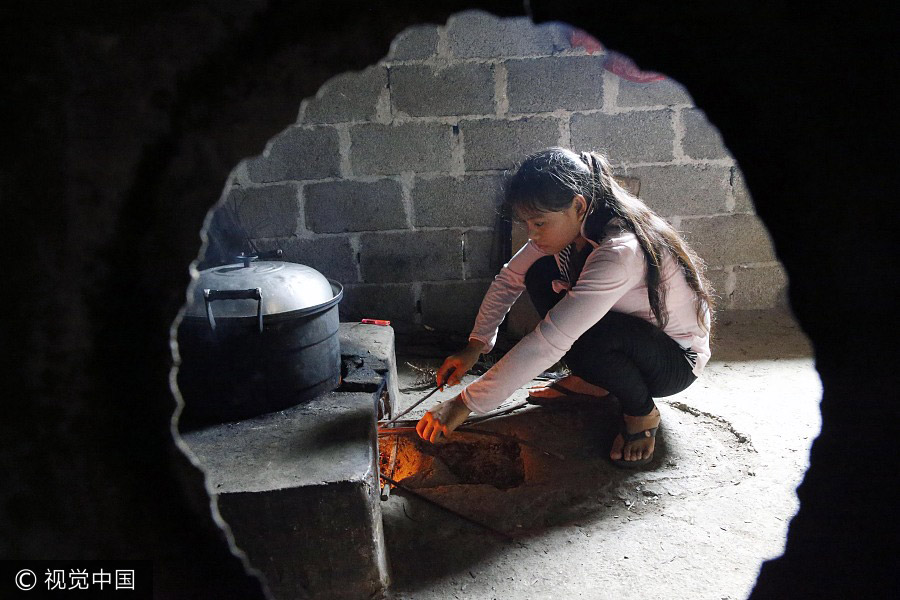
(257, 336)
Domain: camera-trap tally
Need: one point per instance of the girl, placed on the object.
(622, 296)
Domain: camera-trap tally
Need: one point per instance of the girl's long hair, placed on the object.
(548, 181)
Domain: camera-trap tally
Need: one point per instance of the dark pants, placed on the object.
(632, 358)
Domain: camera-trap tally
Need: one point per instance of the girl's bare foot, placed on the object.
(575, 384)
(639, 449)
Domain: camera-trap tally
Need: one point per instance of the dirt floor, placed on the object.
(565, 523)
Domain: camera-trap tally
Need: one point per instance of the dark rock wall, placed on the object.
(123, 121)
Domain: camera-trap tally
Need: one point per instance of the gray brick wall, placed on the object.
(482, 253)
(341, 206)
(395, 302)
(742, 200)
(453, 306)
(377, 149)
(729, 240)
(632, 137)
(701, 140)
(425, 91)
(475, 34)
(684, 190)
(550, 83)
(720, 281)
(333, 256)
(411, 256)
(390, 180)
(495, 144)
(470, 201)
(656, 93)
(755, 286)
(298, 154)
(264, 212)
(416, 43)
(347, 97)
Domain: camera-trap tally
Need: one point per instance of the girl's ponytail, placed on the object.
(600, 211)
(656, 237)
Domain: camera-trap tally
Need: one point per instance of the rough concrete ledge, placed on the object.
(317, 443)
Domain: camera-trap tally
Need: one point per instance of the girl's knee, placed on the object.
(590, 365)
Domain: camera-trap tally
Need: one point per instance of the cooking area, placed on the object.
(350, 258)
(149, 142)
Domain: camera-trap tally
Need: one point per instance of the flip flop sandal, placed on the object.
(631, 437)
(567, 397)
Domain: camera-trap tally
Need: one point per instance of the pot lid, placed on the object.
(231, 290)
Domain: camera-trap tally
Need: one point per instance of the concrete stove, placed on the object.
(300, 488)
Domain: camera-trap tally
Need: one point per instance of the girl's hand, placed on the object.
(441, 420)
(457, 365)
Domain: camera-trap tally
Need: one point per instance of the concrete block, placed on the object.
(548, 84)
(299, 489)
(477, 34)
(452, 305)
(414, 43)
(743, 201)
(470, 201)
(760, 288)
(333, 256)
(729, 240)
(460, 89)
(656, 93)
(411, 256)
(265, 212)
(339, 206)
(390, 149)
(644, 136)
(483, 254)
(683, 189)
(347, 97)
(499, 144)
(718, 279)
(392, 301)
(701, 138)
(297, 154)
(374, 345)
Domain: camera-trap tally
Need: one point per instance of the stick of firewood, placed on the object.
(497, 413)
(476, 419)
(392, 463)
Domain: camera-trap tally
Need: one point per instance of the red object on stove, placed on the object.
(375, 322)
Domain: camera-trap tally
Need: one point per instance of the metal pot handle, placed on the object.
(251, 294)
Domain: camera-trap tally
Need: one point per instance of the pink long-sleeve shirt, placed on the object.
(613, 278)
